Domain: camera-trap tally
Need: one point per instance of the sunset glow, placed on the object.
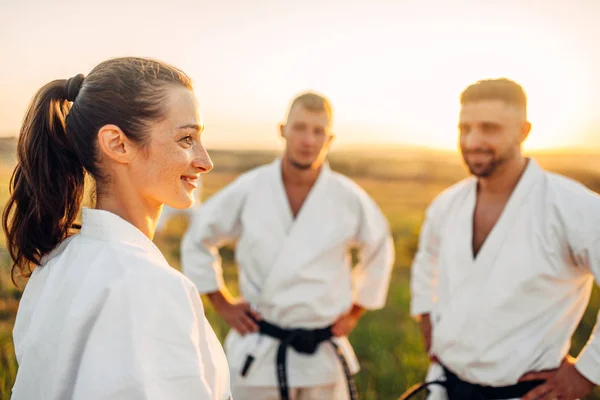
(393, 70)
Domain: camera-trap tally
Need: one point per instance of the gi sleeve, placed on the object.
(579, 212)
(376, 253)
(588, 362)
(424, 269)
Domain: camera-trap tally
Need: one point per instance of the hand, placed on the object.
(564, 383)
(347, 322)
(236, 312)
(426, 329)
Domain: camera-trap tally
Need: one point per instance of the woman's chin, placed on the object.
(181, 202)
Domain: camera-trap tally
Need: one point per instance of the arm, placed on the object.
(424, 270)
(588, 362)
(149, 340)
(376, 254)
(583, 232)
(371, 276)
(423, 282)
(576, 377)
(216, 223)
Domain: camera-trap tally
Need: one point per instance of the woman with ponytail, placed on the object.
(103, 315)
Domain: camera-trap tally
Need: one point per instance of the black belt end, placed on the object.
(247, 364)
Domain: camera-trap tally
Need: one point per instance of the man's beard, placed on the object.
(298, 165)
(485, 170)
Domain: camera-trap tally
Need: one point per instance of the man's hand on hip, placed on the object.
(347, 322)
(426, 331)
(564, 383)
(235, 312)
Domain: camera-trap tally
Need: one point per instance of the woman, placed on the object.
(103, 316)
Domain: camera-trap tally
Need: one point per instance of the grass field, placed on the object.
(387, 342)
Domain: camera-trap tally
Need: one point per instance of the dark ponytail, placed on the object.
(58, 145)
(46, 188)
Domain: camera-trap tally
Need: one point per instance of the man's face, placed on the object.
(307, 137)
(491, 133)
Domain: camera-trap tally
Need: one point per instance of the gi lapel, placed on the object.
(307, 232)
(457, 249)
(496, 238)
(281, 205)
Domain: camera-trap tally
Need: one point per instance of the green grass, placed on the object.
(387, 341)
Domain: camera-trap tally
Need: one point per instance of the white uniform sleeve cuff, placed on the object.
(369, 303)
(419, 306)
(588, 364)
(209, 286)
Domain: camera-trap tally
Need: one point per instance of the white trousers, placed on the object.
(334, 391)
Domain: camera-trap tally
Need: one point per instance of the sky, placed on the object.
(393, 69)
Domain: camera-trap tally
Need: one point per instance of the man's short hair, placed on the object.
(496, 89)
(313, 102)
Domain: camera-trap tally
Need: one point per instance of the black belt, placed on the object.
(303, 341)
(458, 389)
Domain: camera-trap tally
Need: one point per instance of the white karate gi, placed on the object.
(106, 317)
(295, 272)
(513, 308)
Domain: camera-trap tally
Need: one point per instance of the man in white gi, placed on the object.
(294, 222)
(506, 263)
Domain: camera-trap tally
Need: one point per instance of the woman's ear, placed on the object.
(114, 144)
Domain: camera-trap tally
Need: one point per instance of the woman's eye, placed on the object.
(188, 140)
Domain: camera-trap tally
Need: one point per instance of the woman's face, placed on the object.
(168, 168)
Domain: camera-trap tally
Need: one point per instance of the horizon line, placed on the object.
(382, 146)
